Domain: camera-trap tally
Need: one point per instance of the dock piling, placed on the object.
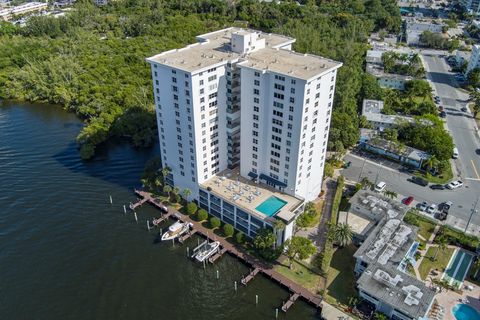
(124, 209)
(111, 201)
(276, 313)
(256, 299)
(148, 225)
(217, 275)
(135, 214)
(188, 252)
(235, 286)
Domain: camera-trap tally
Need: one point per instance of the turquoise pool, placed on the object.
(458, 268)
(464, 312)
(271, 206)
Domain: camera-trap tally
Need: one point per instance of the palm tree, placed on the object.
(343, 234)
(176, 190)
(431, 163)
(442, 245)
(165, 172)
(186, 193)
(475, 97)
(390, 194)
(366, 183)
(167, 189)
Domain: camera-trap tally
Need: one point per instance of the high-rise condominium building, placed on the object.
(243, 123)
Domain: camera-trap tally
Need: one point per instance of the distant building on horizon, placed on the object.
(243, 123)
(414, 29)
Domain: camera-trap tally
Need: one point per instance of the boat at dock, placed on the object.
(176, 230)
(207, 251)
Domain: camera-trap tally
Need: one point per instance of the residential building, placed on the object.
(471, 6)
(243, 98)
(474, 61)
(372, 111)
(371, 142)
(26, 8)
(414, 29)
(461, 57)
(382, 260)
(387, 80)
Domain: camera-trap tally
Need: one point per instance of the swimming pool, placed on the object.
(271, 206)
(465, 312)
(457, 268)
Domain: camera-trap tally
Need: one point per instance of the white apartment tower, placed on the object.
(243, 98)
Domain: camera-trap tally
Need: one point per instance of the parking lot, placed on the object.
(378, 169)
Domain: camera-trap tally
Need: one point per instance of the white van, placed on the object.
(380, 186)
(455, 153)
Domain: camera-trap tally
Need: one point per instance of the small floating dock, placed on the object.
(187, 235)
(290, 302)
(250, 276)
(217, 255)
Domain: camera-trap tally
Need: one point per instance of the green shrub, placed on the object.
(228, 230)
(191, 208)
(215, 222)
(240, 237)
(202, 215)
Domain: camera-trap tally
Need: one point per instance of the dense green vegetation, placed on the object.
(403, 63)
(92, 60)
(438, 41)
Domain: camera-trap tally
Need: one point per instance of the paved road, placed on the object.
(383, 170)
(460, 124)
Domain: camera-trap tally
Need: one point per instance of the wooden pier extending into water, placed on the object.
(250, 276)
(217, 255)
(296, 290)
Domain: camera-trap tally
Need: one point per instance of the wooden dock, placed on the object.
(250, 276)
(297, 290)
(187, 235)
(137, 204)
(217, 255)
(290, 302)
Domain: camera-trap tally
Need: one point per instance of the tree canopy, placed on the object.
(91, 61)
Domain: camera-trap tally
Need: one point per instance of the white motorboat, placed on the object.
(207, 251)
(176, 230)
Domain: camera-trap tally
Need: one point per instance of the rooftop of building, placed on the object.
(248, 194)
(423, 25)
(400, 290)
(359, 223)
(377, 71)
(384, 250)
(371, 138)
(372, 110)
(215, 48)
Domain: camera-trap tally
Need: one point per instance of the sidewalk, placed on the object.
(425, 250)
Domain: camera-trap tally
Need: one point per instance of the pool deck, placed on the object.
(448, 298)
(248, 195)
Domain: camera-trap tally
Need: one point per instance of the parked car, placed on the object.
(437, 187)
(455, 153)
(442, 216)
(432, 208)
(443, 114)
(380, 186)
(418, 180)
(422, 206)
(440, 108)
(464, 109)
(445, 206)
(454, 185)
(437, 99)
(407, 201)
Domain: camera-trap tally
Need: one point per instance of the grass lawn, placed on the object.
(300, 274)
(442, 178)
(340, 278)
(443, 257)
(426, 229)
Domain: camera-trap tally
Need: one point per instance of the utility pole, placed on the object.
(474, 210)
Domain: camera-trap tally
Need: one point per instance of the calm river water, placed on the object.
(67, 253)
